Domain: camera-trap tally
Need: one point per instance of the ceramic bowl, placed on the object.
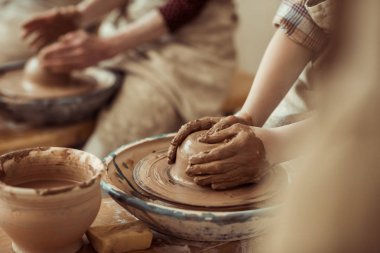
(48, 198)
(186, 222)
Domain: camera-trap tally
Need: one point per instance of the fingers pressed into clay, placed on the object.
(186, 130)
(216, 167)
(221, 152)
(217, 137)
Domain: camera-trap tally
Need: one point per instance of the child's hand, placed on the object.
(228, 121)
(76, 50)
(239, 160)
(213, 124)
(186, 129)
(48, 26)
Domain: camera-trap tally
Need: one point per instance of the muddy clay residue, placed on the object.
(42, 180)
(43, 184)
(65, 217)
(170, 182)
(19, 155)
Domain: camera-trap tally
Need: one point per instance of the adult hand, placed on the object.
(213, 124)
(239, 160)
(48, 26)
(76, 50)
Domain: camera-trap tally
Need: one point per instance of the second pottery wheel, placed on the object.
(35, 82)
(57, 100)
(170, 182)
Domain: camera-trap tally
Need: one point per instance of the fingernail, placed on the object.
(188, 170)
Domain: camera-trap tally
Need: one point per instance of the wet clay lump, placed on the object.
(170, 182)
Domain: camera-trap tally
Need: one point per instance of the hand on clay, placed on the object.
(76, 50)
(187, 129)
(212, 124)
(239, 160)
(48, 26)
(242, 118)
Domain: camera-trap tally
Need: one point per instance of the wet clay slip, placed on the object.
(170, 182)
(48, 198)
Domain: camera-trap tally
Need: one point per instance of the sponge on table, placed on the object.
(120, 238)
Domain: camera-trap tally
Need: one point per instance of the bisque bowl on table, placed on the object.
(182, 221)
(48, 198)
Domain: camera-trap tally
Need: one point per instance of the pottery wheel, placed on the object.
(14, 85)
(154, 176)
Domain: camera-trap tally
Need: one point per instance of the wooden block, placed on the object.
(119, 238)
(115, 230)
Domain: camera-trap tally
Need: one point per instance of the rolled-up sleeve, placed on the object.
(294, 20)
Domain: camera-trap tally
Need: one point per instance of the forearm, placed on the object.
(146, 29)
(282, 63)
(93, 10)
(282, 143)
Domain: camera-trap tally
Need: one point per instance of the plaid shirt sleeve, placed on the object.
(293, 18)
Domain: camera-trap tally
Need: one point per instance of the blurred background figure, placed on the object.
(12, 14)
(178, 56)
(334, 203)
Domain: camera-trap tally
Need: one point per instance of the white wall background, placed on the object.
(255, 30)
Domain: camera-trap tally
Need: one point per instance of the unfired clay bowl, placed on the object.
(35, 74)
(48, 198)
(186, 222)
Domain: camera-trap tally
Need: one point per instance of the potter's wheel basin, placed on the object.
(41, 110)
(179, 220)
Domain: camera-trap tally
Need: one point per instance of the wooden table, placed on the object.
(238, 92)
(18, 136)
(111, 211)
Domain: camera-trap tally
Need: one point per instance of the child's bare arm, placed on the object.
(283, 62)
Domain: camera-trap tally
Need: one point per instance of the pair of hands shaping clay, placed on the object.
(64, 46)
(237, 156)
(47, 27)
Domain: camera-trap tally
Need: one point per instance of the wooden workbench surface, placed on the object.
(18, 136)
(110, 211)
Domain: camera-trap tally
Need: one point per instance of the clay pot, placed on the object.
(36, 75)
(48, 198)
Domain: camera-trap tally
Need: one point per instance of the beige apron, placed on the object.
(170, 81)
(299, 101)
(12, 14)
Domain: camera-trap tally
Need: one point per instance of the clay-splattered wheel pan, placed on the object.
(183, 221)
(42, 111)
